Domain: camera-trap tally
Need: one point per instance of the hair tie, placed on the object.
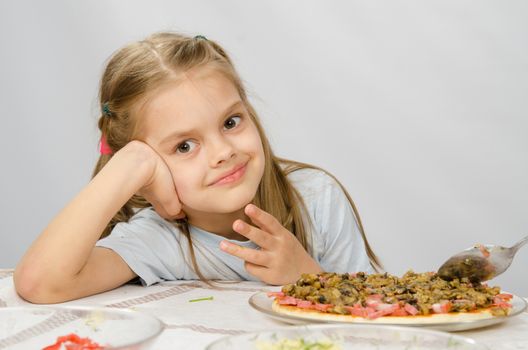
(200, 37)
(104, 149)
(106, 110)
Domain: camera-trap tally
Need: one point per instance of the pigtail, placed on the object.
(108, 134)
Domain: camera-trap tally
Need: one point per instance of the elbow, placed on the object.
(24, 286)
(31, 287)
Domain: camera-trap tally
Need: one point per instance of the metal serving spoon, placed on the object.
(480, 263)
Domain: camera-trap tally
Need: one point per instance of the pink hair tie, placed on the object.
(103, 147)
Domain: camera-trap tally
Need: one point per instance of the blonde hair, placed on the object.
(138, 69)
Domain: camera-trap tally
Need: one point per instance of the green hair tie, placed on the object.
(106, 110)
(200, 37)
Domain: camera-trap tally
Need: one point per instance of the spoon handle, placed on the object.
(519, 244)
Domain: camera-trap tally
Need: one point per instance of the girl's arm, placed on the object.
(63, 263)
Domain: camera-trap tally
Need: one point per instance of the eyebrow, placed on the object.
(181, 133)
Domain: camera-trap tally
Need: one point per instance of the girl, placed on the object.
(187, 187)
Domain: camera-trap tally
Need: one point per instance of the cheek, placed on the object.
(259, 150)
(252, 141)
(183, 189)
(185, 182)
(253, 145)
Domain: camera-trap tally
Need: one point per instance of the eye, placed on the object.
(232, 122)
(185, 146)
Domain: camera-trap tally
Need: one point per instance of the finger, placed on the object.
(262, 219)
(253, 256)
(256, 270)
(265, 274)
(259, 237)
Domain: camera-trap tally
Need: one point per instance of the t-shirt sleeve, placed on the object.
(149, 245)
(338, 245)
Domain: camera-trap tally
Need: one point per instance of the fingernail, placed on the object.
(225, 246)
(239, 225)
(250, 208)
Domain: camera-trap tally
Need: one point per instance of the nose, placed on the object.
(220, 150)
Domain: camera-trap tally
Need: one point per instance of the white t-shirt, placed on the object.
(156, 250)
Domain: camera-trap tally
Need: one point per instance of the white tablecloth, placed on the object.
(193, 325)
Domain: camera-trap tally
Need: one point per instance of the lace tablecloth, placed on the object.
(194, 325)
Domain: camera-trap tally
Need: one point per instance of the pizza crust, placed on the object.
(419, 319)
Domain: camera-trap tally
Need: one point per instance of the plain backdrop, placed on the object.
(418, 107)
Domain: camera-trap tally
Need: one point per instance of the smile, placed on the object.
(232, 176)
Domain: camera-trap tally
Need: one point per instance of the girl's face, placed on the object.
(202, 130)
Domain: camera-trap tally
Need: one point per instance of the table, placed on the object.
(193, 325)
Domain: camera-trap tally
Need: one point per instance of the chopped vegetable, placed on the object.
(201, 299)
(298, 344)
(73, 342)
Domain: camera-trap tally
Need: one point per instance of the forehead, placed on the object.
(194, 95)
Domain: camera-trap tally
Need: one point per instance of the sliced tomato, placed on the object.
(74, 342)
(70, 337)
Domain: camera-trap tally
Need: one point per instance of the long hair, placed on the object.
(136, 70)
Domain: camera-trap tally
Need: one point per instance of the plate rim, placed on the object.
(448, 326)
(332, 325)
(54, 308)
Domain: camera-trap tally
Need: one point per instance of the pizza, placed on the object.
(384, 298)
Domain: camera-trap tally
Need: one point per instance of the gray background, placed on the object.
(419, 107)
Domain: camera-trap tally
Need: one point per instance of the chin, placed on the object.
(227, 203)
(228, 206)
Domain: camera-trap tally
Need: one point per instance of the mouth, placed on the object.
(231, 176)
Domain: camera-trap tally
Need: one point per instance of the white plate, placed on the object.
(261, 302)
(40, 326)
(350, 337)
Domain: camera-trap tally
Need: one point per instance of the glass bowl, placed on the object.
(40, 326)
(347, 337)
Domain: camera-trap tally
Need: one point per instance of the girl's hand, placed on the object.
(281, 258)
(158, 189)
